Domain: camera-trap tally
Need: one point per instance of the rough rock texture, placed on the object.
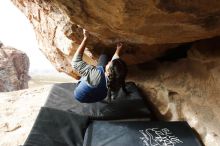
(14, 66)
(145, 26)
(187, 89)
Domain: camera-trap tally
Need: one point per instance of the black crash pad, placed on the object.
(137, 133)
(57, 128)
(132, 105)
(64, 121)
(61, 128)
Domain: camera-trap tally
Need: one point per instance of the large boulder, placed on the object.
(148, 27)
(186, 89)
(14, 66)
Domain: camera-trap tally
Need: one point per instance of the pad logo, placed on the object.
(158, 137)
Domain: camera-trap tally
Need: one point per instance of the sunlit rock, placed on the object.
(148, 27)
(184, 89)
(14, 66)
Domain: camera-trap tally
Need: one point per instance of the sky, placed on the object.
(16, 31)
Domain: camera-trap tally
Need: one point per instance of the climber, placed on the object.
(101, 81)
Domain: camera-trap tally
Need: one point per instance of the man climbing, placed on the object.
(98, 81)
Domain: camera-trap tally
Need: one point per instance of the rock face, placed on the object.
(187, 89)
(148, 27)
(14, 66)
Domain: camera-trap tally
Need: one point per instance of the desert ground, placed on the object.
(19, 109)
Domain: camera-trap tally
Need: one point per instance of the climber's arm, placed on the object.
(81, 48)
(118, 51)
(77, 62)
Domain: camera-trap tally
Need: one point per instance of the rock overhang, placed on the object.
(147, 27)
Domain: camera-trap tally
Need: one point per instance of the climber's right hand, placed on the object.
(85, 33)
